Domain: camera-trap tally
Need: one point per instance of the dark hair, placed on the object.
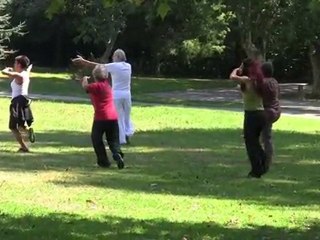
(252, 69)
(267, 69)
(245, 71)
(23, 61)
(246, 66)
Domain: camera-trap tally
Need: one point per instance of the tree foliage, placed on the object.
(7, 30)
(162, 6)
(193, 38)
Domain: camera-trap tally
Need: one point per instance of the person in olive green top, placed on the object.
(250, 77)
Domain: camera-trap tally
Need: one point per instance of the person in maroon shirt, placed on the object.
(105, 118)
(272, 109)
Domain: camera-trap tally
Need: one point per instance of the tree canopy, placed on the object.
(196, 38)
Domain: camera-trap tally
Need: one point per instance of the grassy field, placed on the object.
(61, 84)
(185, 179)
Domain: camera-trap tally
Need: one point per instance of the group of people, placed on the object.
(112, 107)
(260, 93)
(111, 102)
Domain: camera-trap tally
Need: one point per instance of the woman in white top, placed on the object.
(120, 72)
(20, 112)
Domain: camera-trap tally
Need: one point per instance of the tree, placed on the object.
(7, 31)
(96, 22)
(313, 40)
(302, 28)
(257, 23)
(162, 6)
(191, 30)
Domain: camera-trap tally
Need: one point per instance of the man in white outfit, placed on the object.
(120, 72)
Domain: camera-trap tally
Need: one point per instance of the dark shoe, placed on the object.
(23, 150)
(104, 164)
(253, 175)
(32, 136)
(268, 164)
(120, 163)
(128, 139)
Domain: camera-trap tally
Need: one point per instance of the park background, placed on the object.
(186, 166)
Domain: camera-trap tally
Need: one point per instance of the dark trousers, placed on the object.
(272, 115)
(111, 129)
(267, 142)
(254, 123)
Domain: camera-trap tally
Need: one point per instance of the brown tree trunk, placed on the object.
(250, 48)
(253, 52)
(315, 64)
(109, 46)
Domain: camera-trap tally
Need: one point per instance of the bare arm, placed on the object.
(81, 61)
(235, 77)
(11, 74)
(84, 82)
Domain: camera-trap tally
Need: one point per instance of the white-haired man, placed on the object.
(120, 72)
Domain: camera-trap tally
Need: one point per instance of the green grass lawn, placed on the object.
(185, 179)
(61, 84)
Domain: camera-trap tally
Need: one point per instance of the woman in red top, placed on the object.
(105, 118)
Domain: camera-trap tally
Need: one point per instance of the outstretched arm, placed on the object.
(81, 61)
(234, 76)
(12, 74)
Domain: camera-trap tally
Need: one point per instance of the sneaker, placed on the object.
(32, 136)
(120, 163)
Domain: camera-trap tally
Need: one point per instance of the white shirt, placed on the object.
(121, 79)
(23, 88)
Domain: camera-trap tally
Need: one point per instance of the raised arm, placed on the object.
(84, 82)
(235, 77)
(11, 74)
(81, 61)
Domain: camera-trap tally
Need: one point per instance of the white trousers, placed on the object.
(126, 128)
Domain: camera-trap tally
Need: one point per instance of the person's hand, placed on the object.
(8, 69)
(84, 81)
(78, 60)
(85, 78)
(239, 71)
(29, 68)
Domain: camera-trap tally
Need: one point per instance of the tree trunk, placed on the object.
(58, 49)
(252, 51)
(250, 48)
(110, 44)
(315, 64)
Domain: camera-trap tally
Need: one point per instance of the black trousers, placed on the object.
(254, 123)
(111, 130)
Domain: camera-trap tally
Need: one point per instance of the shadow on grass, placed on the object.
(65, 226)
(194, 162)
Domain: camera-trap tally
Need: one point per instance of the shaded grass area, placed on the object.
(68, 226)
(185, 176)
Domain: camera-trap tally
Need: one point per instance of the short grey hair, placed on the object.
(99, 73)
(120, 55)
